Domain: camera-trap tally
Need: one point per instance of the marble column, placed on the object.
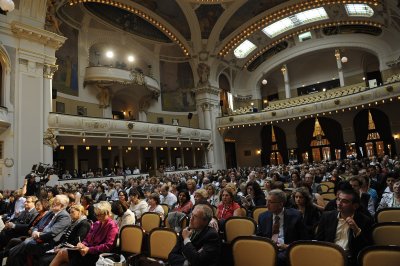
(48, 72)
(285, 74)
(155, 163)
(99, 157)
(169, 156)
(76, 157)
(339, 67)
(140, 158)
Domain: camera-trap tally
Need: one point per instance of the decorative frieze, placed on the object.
(45, 37)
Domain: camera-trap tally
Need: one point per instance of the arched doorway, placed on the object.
(373, 134)
(274, 148)
(320, 139)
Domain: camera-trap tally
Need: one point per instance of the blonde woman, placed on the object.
(100, 239)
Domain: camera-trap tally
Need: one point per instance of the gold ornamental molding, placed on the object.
(49, 70)
(45, 37)
(207, 89)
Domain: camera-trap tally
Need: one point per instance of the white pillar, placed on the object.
(285, 74)
(182, 157)
(48, 71)
(339, 67)
(120, 161)
(169, 156)
(155, 166)
(140, 158)
(99, 157)
(194, 156)
(76, 161)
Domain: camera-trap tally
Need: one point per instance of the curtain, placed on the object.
(334, 133)
(304, 135)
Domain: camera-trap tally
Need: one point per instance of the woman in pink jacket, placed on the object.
(100, 239)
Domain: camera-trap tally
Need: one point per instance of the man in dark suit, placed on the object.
(19, 225)
(347, 226)
(199, 244)
(45, 240)
(282, 225)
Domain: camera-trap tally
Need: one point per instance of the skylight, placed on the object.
(359, 10)
(294, 21)
(244, 49)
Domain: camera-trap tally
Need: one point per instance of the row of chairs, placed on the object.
(259, 251)
(160, 242)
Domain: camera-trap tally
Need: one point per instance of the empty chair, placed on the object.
(328, 196)
(131, 239)
(150, 220)
(316, 253)
(379, 255)
(166, 209)
(386, 233)
(239, 226)
(161, 242)
(254, 251)
(388, 215)
(257, 211)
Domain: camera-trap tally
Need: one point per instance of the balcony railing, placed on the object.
(4, 121)
(317, 103)
(70, 125)
(96, 74)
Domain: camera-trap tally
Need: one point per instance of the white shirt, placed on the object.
(342, 233)
(170, 199)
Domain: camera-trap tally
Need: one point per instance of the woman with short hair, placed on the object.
(100, 239)
(154, 205)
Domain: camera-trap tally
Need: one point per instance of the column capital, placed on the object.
(207, 89)
(49, 70)
(284, 69)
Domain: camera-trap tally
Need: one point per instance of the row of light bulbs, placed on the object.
(279, 14)
(288, 36)
(307, 116)
(139, 13)
(62, 147)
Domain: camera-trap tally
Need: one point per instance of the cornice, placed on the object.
(38, 35)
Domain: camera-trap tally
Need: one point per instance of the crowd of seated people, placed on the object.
(89, 216)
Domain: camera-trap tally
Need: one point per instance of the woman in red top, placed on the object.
(227, 208)
(184, 204)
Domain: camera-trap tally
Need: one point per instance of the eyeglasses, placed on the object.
(273, 202)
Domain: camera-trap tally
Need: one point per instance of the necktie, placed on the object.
(275, 228)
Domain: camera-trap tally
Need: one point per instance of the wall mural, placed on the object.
(208, 16)
(65, 79)
(176, 87)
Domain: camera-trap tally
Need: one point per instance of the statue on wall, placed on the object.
(49, 138)
(52, 22)
(203, 70)
(103, 96)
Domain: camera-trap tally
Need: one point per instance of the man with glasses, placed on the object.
(282, 225)
(199, 244)
(19, 226)
(347, 226)
(43, 240)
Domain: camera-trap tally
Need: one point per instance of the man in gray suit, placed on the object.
(19, 226)
(40, 242)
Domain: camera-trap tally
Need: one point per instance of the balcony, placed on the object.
(4, 121)
(321, 103)
(92, 127)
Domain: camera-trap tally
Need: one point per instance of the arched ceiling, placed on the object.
(215, 28)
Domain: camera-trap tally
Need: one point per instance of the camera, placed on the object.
(41, 170)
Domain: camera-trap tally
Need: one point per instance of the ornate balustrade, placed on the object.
(70, 125)
(318, 103)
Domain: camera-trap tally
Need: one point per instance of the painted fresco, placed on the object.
(176, 85)
(65, 79)
(250, 9)
(208, 16)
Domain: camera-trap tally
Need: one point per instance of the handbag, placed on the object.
(111, 259)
